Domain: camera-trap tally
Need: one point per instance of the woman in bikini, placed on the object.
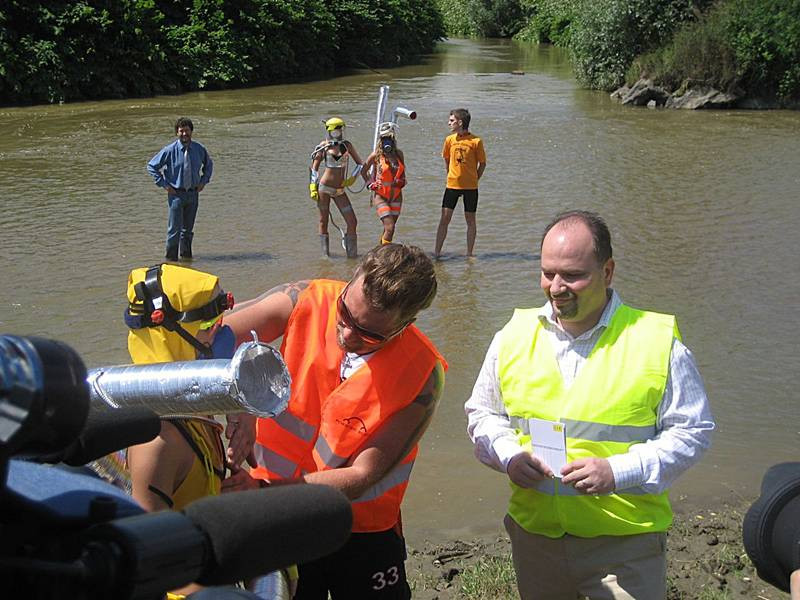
(334, 153)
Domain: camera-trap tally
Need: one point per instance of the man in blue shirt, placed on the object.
(183, 168)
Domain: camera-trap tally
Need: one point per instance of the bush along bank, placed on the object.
(55, 51)
(740, 54)
(678, 53)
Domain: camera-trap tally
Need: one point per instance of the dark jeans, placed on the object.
(182, 212)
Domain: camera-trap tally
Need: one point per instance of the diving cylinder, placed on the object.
(255, 381)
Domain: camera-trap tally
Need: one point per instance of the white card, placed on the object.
(549, 443)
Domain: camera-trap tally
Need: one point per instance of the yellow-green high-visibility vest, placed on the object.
(611, 405)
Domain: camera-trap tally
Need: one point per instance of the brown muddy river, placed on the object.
(703, 207)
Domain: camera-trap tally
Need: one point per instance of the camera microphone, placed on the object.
(108, 431)
(255, 532)
(216, 540)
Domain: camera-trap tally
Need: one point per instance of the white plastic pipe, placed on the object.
(383, 98)
(403, 112)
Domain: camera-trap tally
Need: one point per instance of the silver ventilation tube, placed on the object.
(254, 381)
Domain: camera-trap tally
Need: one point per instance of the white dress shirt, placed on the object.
(684, 422)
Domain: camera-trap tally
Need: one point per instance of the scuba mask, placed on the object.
(387, 145)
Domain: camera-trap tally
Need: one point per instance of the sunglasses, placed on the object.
(367, 336)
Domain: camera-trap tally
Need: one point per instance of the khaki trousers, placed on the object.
(631, 567)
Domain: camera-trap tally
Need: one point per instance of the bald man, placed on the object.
(625, 395)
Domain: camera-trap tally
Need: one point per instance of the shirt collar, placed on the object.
(548, 318)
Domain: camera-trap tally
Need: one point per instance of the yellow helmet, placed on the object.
(333, 123)
(167, 305)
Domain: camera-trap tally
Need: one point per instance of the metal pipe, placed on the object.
(255, 381)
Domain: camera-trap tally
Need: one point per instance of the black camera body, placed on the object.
(65, 533)
(771, 527)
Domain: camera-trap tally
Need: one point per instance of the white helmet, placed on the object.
(387, 129)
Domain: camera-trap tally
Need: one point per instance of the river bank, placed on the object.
(705, 560)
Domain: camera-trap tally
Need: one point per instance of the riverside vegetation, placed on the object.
(747, 48)
(55, 51)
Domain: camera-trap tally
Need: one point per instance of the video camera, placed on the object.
(67, 534)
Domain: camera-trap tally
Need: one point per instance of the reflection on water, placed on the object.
(702, 205)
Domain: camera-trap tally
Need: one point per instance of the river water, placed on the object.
(703, 208)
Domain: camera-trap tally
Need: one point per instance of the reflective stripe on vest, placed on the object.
(612, 404)
(339, 417)
(400, 474)
(273, 463)
(295, 426)
(327, 455)
(290, 440)
(548, 486)
(597, 432)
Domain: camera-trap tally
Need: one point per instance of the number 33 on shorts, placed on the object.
(383, 579)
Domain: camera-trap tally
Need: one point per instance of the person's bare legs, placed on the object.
(324, 206)
(441, 232)
(388, 228)
(349, 216)
(472, 230)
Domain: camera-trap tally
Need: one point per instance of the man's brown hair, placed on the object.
(601, 236)
(184, 122)
(398, 279)
(462, 114)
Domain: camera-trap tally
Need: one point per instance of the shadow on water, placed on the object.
(235, 257)
(512, 256)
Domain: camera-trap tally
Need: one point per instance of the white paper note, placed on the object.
(549, 443)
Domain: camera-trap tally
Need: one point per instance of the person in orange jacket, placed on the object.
(389, 179)
(365, 383)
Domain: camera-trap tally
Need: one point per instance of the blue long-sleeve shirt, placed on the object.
(166, 167)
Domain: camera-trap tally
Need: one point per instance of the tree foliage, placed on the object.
(62, 50)
(608, 34)
(484, 18)
(751, 47)
(765, 39)
(549, 21)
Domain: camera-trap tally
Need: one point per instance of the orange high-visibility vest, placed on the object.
(327, 419)
(390, 185)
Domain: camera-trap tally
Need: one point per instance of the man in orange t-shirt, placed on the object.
(465, 160)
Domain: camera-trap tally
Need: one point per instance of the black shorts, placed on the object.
(369, 566)
(451, 196)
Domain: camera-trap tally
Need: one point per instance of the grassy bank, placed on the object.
(56, 51)
(705, 561)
